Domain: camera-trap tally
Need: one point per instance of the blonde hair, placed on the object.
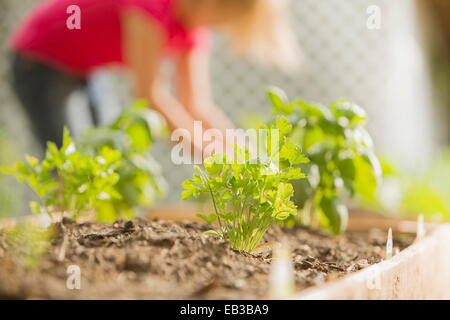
(260, 29)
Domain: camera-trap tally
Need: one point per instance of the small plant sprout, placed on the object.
(389, 245)
(281, 278)
(420, 234)
(250, 195)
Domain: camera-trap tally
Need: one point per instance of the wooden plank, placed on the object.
(421, 271)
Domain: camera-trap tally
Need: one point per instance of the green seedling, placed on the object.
(342, 159)
(108, 171)
(70, 182)
(250, 195)
(140, 177)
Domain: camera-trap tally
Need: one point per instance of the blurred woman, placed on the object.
(52, 59)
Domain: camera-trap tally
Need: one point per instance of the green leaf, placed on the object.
(283, 125)
(22, 168)
(292, 174)
(35, 207)
(212, 232)
(293, 154)
(365, 178)
(140, 136)
(283, 207)
(53, 157)
(347, 168)
(278, 98)
(140, 104)
(8, 171)
(208, 219)
(106, 213)
(335, 212)
(67, 141)
(214, 164)
(348, 110)
(110, 156)
(32, 161)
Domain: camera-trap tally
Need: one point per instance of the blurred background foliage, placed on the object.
(141, 181)
(409, 193)
(341, 153)
(8, 198)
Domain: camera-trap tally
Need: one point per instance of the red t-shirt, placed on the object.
(45, 37)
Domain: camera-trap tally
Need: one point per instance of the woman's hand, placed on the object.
(194, 90)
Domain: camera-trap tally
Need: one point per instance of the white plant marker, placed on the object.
(44, 220)
(281, 273)
(420, 227)
(389, 245)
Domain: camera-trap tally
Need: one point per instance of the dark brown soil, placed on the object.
(172, 260)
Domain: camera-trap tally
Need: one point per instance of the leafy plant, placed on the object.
(341, 156)
(28, 242)
(141, 180)
(69, 181)
(250, 195)
(108, 171)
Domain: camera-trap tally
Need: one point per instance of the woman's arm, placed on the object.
(143, 47)
(194, 90)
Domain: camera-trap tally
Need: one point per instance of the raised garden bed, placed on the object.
(421, 271)
(155, 259)
(171, 254)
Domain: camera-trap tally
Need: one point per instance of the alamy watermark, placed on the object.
(74, 279)
(73, 22)
(374, 17)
